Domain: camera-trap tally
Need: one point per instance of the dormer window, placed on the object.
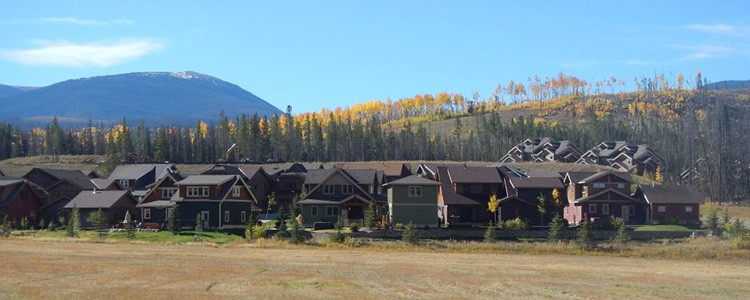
(124, 182)
(197, 191)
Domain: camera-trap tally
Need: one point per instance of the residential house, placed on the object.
(543, 150)
(429, 171)
(601, 196)
(623, 156)
(671, 202)
(465, 192)
(260, 182)
(137, 177)
(19, 199)
(693, 174)
(413, 199)
(114, 204)
(60, 186)
(391, 171)
(341, 194)
(222, 201)
(157, 204)
(523, 199)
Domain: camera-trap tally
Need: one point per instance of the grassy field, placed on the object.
(37, 269)
(735, 211)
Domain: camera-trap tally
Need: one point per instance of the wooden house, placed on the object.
(676, 202)
(19, 199)
(601, 196)
(413, 199)
(223, 201)
(156, 205)
(464, 194)
(391, 171)
(60, 186)
(543, 150)
(338, 194)
(623, 156)
(256, 177)
(429, 171)
(137, 177)
(523, 199)
(114, 204)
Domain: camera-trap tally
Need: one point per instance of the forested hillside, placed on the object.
(682, 122)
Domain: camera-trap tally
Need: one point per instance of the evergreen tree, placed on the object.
(97, 220)
(410, 235)
(173, 221)
(74, 223)
(198, 226)
(556, 229)
(585, 235)
(370, 216)
(489, 234)
(619, 225)
(338, 236)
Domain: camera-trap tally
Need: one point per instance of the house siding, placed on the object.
(20, 208)
(419, 210)
(675, 210)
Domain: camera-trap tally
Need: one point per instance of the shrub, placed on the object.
(712, 221)
(399, 225)
(97, 220)
(354, 227)
(296, 236)
(742, 241)
(410, 234)
(386, 225)
(129, 231)
(74, 224)
(489, 234)
(585, 235)
(556, 228)
(670, 221)
(338, 236)
(516, 224)
(5, 227)
(733, 229)
(172, 224)
(619, 225)
(51, 226)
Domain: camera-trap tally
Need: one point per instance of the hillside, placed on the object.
(157, 97)
(728, 85)
(8, 90)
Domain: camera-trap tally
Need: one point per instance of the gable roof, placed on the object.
(450, 197)
(321, 179)
(317, 176)
(135, 171)
(474, 175)
(206, 179)
(669, 194)
(98, 199)
(367, 176)
(624, 176)
(412, 180)
(536, 183)
(75, 177)
(8, 190)
(103, 184)
(623, 195)
(576, 177)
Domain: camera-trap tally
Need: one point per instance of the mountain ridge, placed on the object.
(160, 98)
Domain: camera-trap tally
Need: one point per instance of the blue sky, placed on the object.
(315, 54)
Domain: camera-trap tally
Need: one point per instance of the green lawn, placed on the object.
(662, 228)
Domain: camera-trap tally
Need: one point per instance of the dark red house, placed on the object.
(602, 196)
(677, 202)
(19, 200)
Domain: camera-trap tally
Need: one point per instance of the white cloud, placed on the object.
(705, 51)
(720, 29)
(74, 21)
(96, 54)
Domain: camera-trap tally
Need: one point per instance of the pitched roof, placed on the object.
(98, 199)
(8, 190)
(668, 194)
(317, 176)
(206, 179)
(545, 174)
(576, 177)
(623, 195)
(75, 177)
(474, 175)
(362, 176)
(624, 176)
(103, 183)
(536, 183)
(135, 171)
(412, 180)
(390, 169)
(450, 197)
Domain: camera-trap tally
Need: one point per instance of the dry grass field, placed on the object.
(38, 269)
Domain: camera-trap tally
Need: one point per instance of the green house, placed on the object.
(413, 199)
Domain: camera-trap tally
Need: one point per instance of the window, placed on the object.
(236, 191)
(147, 213)
(124, 182)
(621, 185)
(167, 193)
(347, 189)
(688, 209)
(197, 191)
(631, 211)
(415, 191)
(290, 185)
(329, 189)
(662, 208)
(314, 211)
(599, 185)
(605, 209)
(226, 216)
(243, 216)
(592, 208)
(332, 210)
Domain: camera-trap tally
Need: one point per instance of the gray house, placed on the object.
(223, 201)
(114, 204)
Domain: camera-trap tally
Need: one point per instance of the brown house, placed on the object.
(156, 204)
(543, 150)
(341, 194)
(114, 204)
(464, 194)
(523, 199)
(60, 187)
(18, 200)
(256, 177)
(601, 196)
(677, 202)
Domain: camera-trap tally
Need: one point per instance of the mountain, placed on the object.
(728, 85)
(9, 90)
(157, 97)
